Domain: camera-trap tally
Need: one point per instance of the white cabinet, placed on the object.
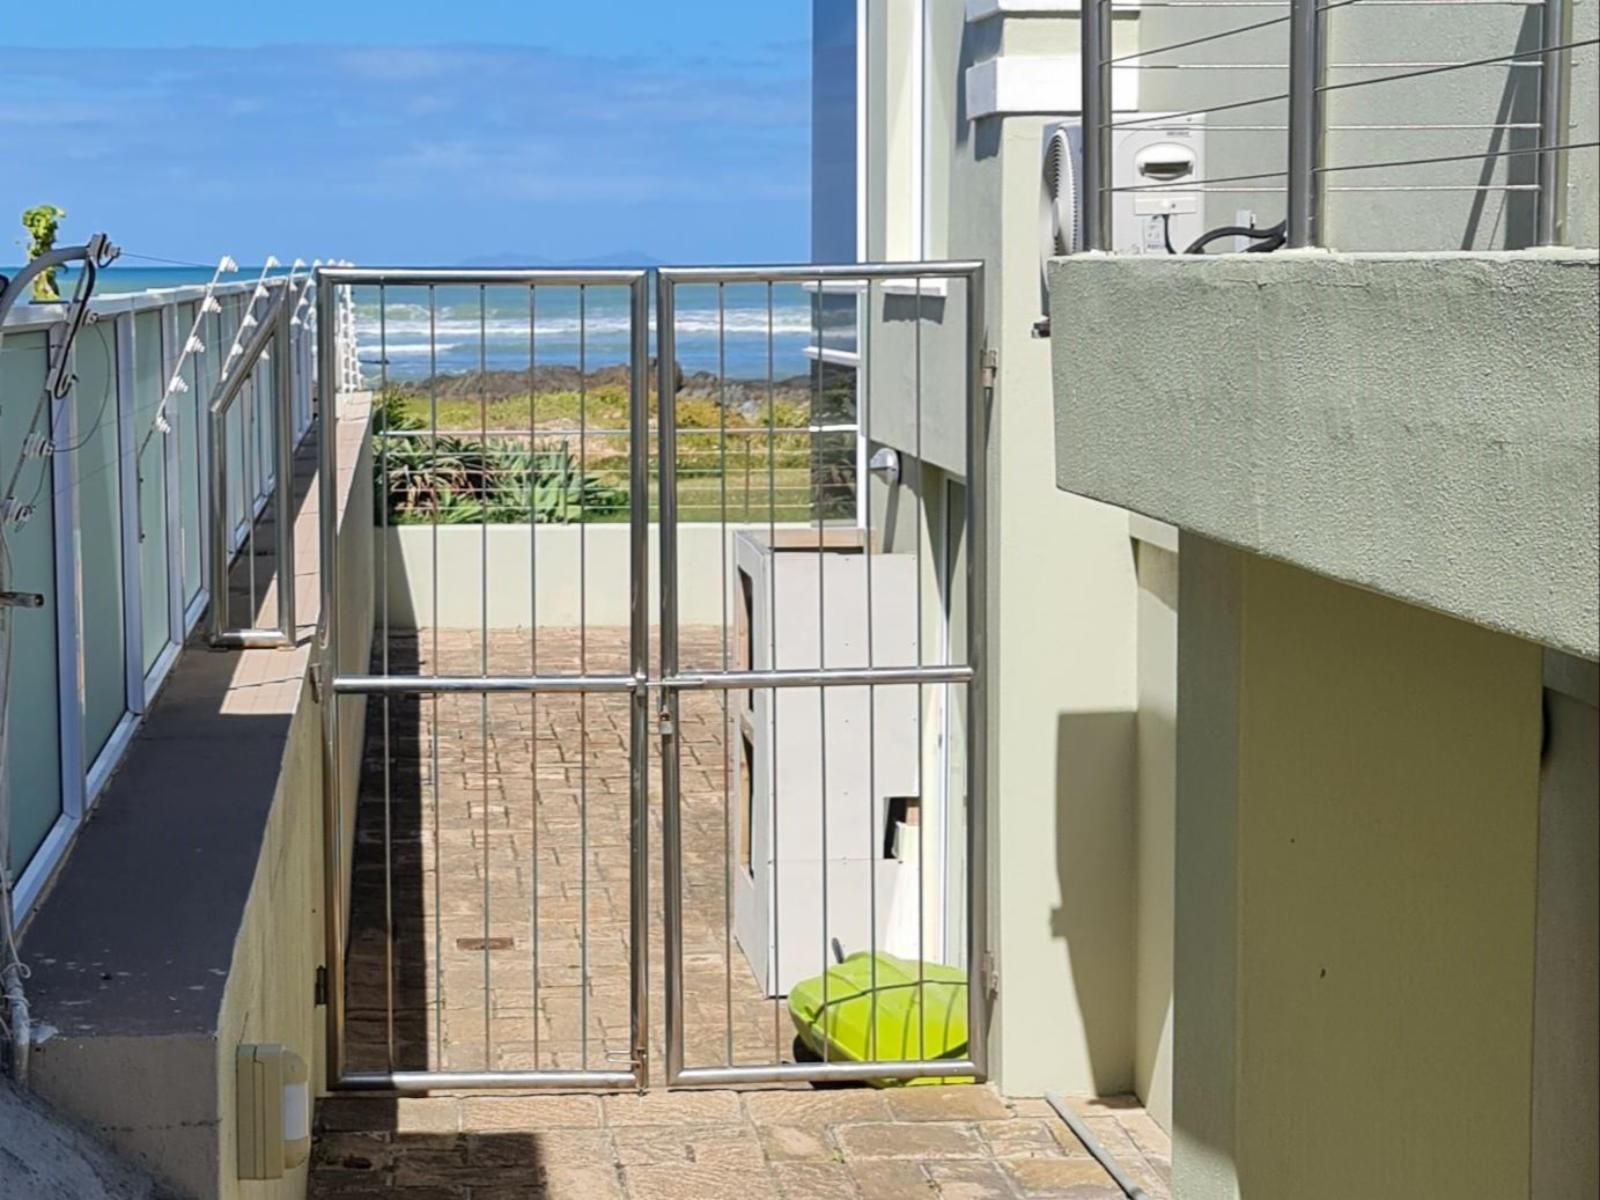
(827, 779)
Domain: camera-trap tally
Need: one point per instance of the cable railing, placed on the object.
(1295, 104)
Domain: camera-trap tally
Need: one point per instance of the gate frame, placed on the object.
(334, 685)
(980, 973)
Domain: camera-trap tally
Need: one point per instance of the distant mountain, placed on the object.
(618, 258)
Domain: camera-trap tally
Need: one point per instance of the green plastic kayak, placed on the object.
(880, 1013)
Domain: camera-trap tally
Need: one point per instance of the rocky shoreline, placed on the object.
(745, 395)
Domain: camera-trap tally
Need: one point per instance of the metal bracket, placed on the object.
(989, 973)
(991, 366)
(319, 987)
(21, 600)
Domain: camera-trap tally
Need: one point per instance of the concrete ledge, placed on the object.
(1420, 425)
(188, 918)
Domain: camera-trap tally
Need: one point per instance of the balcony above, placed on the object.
(1420, 425)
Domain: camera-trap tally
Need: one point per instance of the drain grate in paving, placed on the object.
(479, 944)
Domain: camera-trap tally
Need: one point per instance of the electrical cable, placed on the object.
(1269, 239)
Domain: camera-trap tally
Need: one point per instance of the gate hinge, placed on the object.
(991, 366)
(990, 974)
(316, 683)
(319, 988)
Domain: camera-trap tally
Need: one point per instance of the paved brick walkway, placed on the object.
(484, 978)
(857, 1144)
(467, 858)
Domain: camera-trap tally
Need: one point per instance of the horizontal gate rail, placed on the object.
(833, 677)
(474, 685)
(858, 283)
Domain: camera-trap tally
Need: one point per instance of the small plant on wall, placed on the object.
(41, 222)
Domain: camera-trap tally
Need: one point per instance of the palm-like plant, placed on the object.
(454, 481)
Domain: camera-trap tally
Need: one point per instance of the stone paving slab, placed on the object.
(491, 835)
(962, 1143)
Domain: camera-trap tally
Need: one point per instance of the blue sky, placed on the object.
(415, 131)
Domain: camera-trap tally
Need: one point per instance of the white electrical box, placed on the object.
(822, 783)
(273, 1092)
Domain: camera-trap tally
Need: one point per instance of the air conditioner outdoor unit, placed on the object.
(1167, 150)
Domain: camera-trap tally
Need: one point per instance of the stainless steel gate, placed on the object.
(504, 783)
(347, 677)
(851, 305)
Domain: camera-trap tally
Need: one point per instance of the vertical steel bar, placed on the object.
(922, 506)
(217, 532)
(383, 651)
(639, 664)
(283, 383)
(1096, 82)
(815, 492)
(249, 455)
(1556, 30)
(728, 732)
(1305, 121)
(875, 824)
(533, 653)
(433, 728)
(332, 760)
(583, 669)
(977, 503)
(776, 971)
(483, 655)
(671, 816)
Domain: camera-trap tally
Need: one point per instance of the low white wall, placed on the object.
(410, 557)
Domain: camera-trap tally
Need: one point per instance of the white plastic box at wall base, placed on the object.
(274, 1110)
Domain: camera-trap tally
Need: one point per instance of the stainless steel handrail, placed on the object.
(274, 333)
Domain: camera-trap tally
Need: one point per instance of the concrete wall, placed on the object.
(1424, 426)
(1358, 815)
(404, 557)
(197, 892)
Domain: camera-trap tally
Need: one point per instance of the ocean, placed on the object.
(408, 335)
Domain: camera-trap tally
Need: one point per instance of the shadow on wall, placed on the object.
(384, 976)
(1518, 109)
(1096, 871)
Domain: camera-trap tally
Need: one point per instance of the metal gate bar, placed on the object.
(675, 680)
(582, 684)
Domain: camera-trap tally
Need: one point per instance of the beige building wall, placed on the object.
(1062, 591)
(1358, 814)
(1566, 999)
(1156, 729)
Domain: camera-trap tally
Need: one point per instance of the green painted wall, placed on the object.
(1370, 782)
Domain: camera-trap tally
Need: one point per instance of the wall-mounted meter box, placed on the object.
(274, 1111)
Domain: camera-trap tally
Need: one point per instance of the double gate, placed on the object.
(490, 908)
